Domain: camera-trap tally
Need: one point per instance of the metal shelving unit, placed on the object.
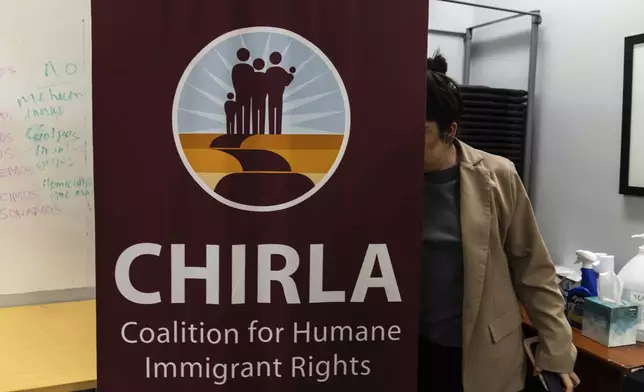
(467, 36)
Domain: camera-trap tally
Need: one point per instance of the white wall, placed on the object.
(579, 106)
(449, 17)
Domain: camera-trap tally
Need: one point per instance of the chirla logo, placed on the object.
(261, 119)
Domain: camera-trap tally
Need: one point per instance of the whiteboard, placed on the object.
(46, 176)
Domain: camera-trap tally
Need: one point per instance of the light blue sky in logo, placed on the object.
(313, 103)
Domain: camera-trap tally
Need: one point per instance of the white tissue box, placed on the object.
(609, 323)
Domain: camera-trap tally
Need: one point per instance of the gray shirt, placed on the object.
(442, 265)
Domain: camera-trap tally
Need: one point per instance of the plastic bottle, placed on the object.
(600, 257)
(588, 288)
(633, 276)
(588, 261)
(606, 264)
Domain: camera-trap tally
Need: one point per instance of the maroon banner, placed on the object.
(258, 169)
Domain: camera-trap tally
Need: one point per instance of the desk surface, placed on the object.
(48, 348)
(627, 358)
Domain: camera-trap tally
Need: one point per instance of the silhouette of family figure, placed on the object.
(257, 89)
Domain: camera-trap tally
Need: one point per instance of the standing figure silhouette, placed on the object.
(277, 81)
(242, 75)
(258, 98)
(231, 108)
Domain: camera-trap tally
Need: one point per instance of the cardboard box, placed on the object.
(610, 324)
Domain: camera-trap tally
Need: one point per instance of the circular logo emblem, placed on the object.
(261, 119)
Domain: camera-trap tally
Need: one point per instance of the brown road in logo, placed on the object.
(267, 178)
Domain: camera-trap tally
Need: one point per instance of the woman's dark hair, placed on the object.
(444, 101)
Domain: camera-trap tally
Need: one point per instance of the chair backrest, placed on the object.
(494, 120)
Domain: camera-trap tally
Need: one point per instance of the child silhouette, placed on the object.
(231, 107)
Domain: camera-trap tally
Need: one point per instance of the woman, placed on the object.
(482, 254)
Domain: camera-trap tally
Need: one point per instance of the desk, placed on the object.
(600, 368)
(48, 348)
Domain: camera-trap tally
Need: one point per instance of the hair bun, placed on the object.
(438, 63)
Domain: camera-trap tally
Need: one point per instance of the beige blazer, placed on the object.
(506, 262)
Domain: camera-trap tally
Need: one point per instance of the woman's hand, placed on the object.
(570, 381)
